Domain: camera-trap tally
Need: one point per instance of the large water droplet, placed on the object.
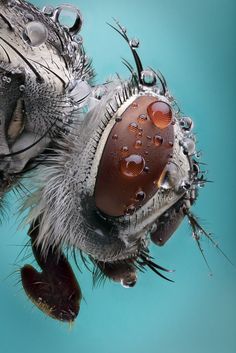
(35, 33)
(186, 123)
(170, 177)
(132, 165)
(160, 113)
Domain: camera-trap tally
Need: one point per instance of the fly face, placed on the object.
(43, 81)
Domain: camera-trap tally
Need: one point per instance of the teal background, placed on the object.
(193, 44)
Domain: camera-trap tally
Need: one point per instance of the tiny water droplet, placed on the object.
(142, 118)
(115, 137)
(130, 210)
(138, 144)
(134, 43)
(133, 127)
(140, 195)
(157, 139)
(22, 88)
(134, 105)
(118, 119)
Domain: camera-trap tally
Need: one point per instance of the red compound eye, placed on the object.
(160, 113)
(134, 157)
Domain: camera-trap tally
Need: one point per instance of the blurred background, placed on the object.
(193, 45)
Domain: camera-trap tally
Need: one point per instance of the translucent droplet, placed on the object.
(35, 34)
(22, 88)
(140, 195)
(148, 78)
(157, 139)
(188, 145)
(142, 118)
(186, 123)
(128, 284)
(68, 14)
(160, 113)
(115, 137)
(118, 119)
(134, 43)
(48, 10)
(132, 165)
(133, 127)
(138, 144)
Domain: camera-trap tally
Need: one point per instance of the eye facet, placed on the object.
(135, 154)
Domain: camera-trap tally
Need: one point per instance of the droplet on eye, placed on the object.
(140, 195)
(138, 144)
(142, 118)
(133, 127)
(132, 165)
(157, 139)
(130, 210)
(160, 113)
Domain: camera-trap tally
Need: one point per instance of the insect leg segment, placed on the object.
(55, 290)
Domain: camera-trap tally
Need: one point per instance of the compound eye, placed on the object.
(136, 152)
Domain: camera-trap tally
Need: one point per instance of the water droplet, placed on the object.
(118, 119)
(132, 165)
(148, 78)
(157, 139)
(188, 145)
(138, 144)
(67, 13)
(48, 10)
(160, 113)
(124, 149)
(35, 33)
(140, 195)
(4, 78)
(134, 43)
(186, 123)
(142, 118)
(149, 137)
(8, 80)
(133, 127)
(22, 88)
(115, 137)
(128, 284)
(134, 105)
(170, 177)
(29, 17)
(130, 210)
(171, 144)
(146, 169)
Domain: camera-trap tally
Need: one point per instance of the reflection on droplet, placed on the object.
(35, 33)
(133, 127)
(160, 113)
(132, 165)
(115, 137)
(157, 139)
